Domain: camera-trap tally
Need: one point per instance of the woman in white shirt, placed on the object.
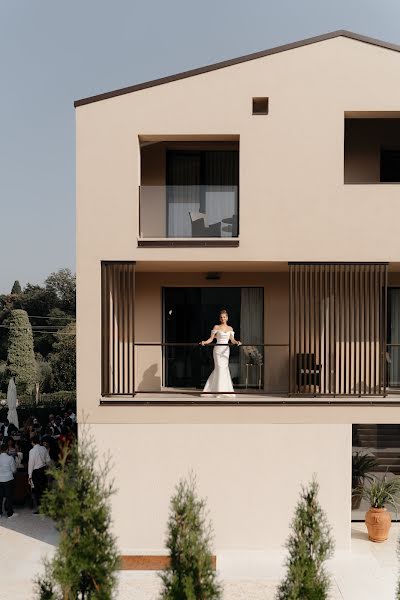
(7, 470)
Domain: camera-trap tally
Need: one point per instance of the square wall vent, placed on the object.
(260, 106)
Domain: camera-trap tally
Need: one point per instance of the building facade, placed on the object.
(268, 186)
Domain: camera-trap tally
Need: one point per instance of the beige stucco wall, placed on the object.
(250, 474)
(294, 204)
(363, 141)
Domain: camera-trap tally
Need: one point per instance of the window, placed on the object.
(260, 106)
(390, 165)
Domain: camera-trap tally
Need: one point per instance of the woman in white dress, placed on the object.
(220, 379)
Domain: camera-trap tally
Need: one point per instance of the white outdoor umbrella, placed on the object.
(12, 415)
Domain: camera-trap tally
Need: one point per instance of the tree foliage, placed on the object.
(190, 575)
(50, 308)
(21, 362)
(16, 288)
(63, 358)
(86, 559)
(309, 546)
(62, 285)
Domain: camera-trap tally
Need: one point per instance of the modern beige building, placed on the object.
(266, 185)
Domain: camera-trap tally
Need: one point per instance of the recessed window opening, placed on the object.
(390, 165)
(260, 106)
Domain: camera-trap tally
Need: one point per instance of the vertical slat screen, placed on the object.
(338, 327)
(117, 328)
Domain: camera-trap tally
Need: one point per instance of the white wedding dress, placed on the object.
(220, 379)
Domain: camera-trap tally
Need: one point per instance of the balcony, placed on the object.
(189, 192)
(188, 211)
(321, 330)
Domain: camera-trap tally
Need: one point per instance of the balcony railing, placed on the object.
(190, 211)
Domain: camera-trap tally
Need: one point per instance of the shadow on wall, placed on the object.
(150, 380)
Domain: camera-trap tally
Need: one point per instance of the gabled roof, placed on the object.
(236, 61)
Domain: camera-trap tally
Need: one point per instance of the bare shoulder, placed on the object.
(216, 327)
(230, 328)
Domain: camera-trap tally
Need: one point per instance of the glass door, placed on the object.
(393, 350)
(190, 314)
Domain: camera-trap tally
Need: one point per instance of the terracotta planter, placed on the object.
(378, 521)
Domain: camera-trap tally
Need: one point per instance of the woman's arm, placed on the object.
(233, 339)
(210, 339)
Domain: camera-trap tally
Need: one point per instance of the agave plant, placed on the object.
(381, 493)
(362, 464)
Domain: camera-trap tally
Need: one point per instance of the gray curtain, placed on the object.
(251, 332)
(183, 196)
(220, 198)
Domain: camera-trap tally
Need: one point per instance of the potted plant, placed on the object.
(381, 493)
(361, 465)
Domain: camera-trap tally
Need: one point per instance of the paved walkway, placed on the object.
(368, 572)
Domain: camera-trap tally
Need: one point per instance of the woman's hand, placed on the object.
(203, 343)
(238, 343)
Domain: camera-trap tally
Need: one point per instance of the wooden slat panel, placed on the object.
(117, 328)
(338, 321)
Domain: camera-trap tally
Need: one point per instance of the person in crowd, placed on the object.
(9, 428)
(58, 425)
(11, 449)
(66, 438)
(39, 459)
(27, 429)
(19, 460)
(72, 416)
(7, 470)
(51, 444)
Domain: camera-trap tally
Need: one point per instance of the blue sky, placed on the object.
(53, 52)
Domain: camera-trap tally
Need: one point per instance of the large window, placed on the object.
(393, 349)
(379, 444)
(202, 193)
(189, 315)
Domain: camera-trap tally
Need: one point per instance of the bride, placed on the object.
(220, 379)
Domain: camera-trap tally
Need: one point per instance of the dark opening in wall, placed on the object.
(260, 106)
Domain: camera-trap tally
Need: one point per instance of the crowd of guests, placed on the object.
(31, 450)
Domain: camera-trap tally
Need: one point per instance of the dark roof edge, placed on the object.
(236, 61)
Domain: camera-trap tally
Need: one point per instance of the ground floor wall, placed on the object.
(251, 475)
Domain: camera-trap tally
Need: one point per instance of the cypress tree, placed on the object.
(190, 575)
(85, 562)
(16, 288)
(309, 546)
(21, 362)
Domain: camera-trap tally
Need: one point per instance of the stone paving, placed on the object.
(367, 572)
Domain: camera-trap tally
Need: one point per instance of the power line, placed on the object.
(40, 331)
(68, 317)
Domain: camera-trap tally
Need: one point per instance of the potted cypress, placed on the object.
(361, 465)
(381, 493)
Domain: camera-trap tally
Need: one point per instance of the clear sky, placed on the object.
(55, 51)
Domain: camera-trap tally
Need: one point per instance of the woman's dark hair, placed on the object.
(35, 439)
(10, 439)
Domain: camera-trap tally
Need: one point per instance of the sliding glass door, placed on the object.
(189, 315)
(393, 351)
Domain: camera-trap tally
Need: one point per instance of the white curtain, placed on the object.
(251, 330)
(182, 200)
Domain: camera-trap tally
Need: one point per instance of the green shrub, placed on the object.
(21, 362)
(309, 546)
(190, 575)
(85, 562)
